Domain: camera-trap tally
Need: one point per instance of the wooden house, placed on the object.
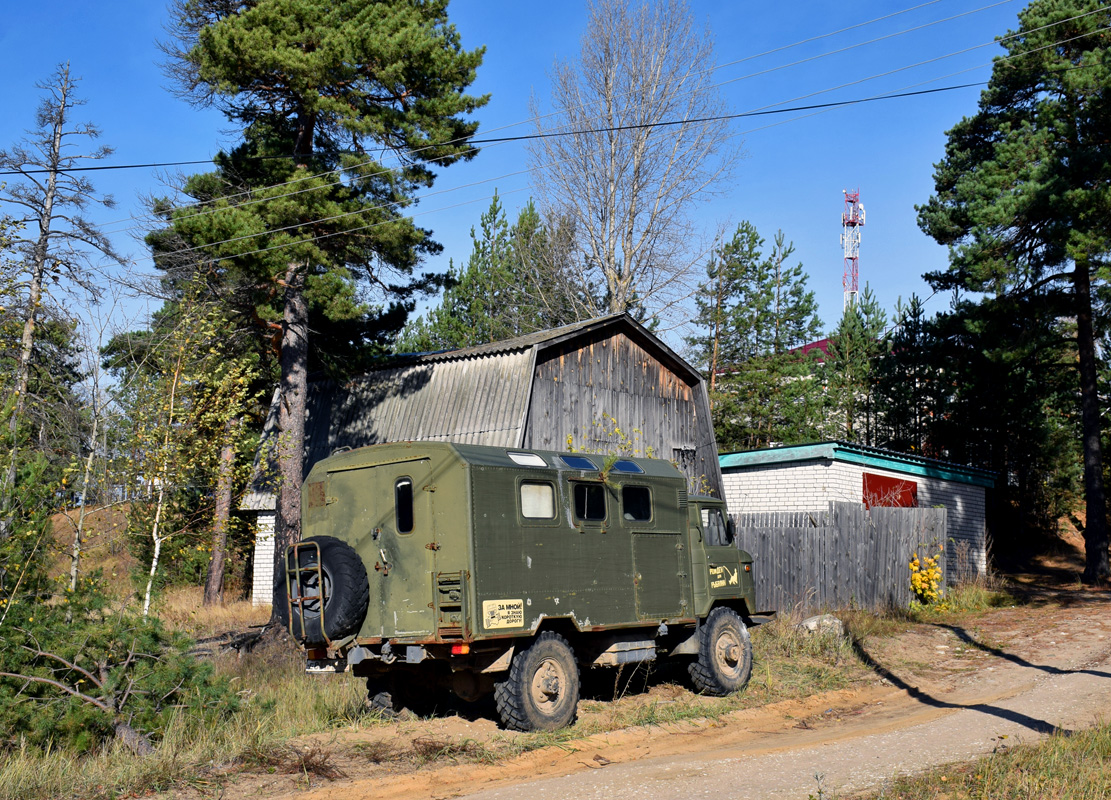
(603, 385)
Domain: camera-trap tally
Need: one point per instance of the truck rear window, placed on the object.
(590, 501)
(403, 505)
(537, 500)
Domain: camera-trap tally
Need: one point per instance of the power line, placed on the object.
(534, 119)
(502, 140)
(766, 111)
(670, 123)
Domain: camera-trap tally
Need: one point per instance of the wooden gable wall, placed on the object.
(578, 382)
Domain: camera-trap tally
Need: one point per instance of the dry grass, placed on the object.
(1063, 767)
(282, 703)
(103, 548)
(182, 608)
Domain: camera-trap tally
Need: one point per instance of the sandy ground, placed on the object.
(937, 694)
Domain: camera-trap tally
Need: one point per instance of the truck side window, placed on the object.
(636, 503)
(537, 500)
(403, 504)
(590, 501)
(714, 527)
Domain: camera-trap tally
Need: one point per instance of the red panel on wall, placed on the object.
(881, 491)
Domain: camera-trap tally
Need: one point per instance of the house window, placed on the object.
(537, 500)
(403, 505)
(881, 491)
(590, 502)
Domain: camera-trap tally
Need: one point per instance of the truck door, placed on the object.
(390, 516)
(723, 558)
(660, 557)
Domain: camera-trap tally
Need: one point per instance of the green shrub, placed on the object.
(76, 672)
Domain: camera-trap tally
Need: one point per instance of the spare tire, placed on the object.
(346, 592)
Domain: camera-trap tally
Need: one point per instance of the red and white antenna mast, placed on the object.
(852, 218)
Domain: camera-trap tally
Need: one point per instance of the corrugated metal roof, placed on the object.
(526, 342)
(541, 340)
(474, 395)
(477, 400)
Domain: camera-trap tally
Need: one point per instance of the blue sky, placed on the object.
(791, 179)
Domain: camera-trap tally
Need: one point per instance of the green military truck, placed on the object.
(429, 566)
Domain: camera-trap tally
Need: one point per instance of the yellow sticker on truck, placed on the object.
(503, 614)
(722, 576)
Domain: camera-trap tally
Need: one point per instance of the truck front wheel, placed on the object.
(541, 691)
(724, 660)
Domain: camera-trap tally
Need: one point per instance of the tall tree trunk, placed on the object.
(38, 272)
(291, 423)
(79, 531)
(1095, 529)
(156, 534)
(214, 580)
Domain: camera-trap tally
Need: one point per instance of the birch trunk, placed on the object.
(156, 533)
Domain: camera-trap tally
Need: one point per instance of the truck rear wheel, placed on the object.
(346, 592)
(724, 660)
(541, 691)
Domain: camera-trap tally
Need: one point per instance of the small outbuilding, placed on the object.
(811, 476)
(603, 385)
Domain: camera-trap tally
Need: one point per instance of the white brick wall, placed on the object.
(812, 485)
(262, 586)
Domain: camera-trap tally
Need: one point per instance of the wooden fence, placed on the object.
(845, 556)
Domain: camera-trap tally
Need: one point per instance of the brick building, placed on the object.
(809, 477)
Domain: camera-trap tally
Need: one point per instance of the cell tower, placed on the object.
(852, 218)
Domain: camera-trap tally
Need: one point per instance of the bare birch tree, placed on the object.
(631, 147)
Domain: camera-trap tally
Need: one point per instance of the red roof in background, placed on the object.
(821, 344)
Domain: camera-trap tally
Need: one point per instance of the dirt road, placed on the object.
(940, 694)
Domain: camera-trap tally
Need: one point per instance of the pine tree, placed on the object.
(56, 244)
(850, 369)
(1021, 199)
(756, 313)
(309, 219)
(909, 378)
(514, 283)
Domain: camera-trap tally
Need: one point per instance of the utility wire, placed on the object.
(764, 111)
(767, 110)
(522, 122)
(502, 140)
(793, 109)
(509, 139)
